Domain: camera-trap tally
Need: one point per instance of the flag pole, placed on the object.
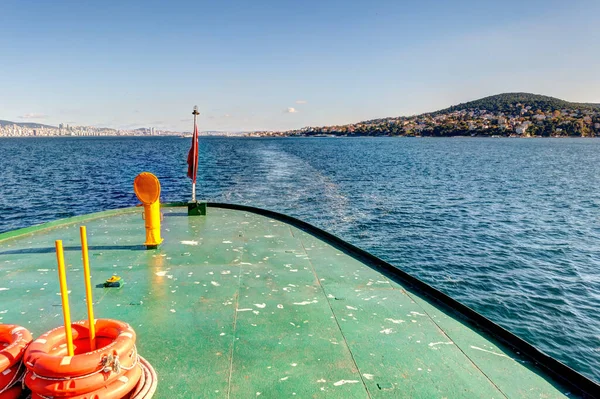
(195, 113)
(195, 208)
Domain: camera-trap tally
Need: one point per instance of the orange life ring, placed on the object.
(7, 376)
(47, 355)
(17, 339)
(117, 389)
(54, 387)
(12, 393)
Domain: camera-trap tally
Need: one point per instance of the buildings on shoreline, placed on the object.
(524, 121)
(508, 115)
(500, 115)
(36, 130)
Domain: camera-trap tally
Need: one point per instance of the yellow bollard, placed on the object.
(88, 287)
(64, 294)
(147, 189)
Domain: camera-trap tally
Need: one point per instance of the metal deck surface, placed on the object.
(239, 305)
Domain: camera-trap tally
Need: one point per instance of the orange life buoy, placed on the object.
(8, 376)
(117, 389)
(12, 393)
(85, 384)
(47, 355)
(17, 339)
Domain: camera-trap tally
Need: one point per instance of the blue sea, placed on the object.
(510, 227)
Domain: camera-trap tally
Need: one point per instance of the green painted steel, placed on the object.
(234, 304)
(196, 208)
(82, 218)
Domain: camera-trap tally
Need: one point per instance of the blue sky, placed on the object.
(252, 65)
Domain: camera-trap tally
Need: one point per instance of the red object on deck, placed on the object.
(192, 159)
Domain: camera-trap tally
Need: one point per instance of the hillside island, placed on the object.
(502, 115)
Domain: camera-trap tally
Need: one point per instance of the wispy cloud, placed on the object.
(291, 110)
(33, 115)
(301, 102)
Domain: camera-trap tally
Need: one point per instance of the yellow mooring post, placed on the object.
(147, 189)
(88, 287)
(64, 294)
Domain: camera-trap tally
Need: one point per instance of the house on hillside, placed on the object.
(522, 128)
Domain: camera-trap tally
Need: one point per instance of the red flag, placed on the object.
(192, 159)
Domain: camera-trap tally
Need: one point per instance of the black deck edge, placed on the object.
(561, 373)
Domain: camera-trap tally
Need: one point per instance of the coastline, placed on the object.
(302, 137)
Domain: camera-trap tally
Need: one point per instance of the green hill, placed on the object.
(507, 102)
(507, 114)
(30, 125)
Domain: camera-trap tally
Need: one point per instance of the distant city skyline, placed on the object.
(273, 65)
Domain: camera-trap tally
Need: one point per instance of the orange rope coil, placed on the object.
(148, 381)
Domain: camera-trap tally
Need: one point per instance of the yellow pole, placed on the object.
(88, 287)
(64, 294)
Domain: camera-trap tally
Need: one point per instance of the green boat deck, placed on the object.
(239, 305)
